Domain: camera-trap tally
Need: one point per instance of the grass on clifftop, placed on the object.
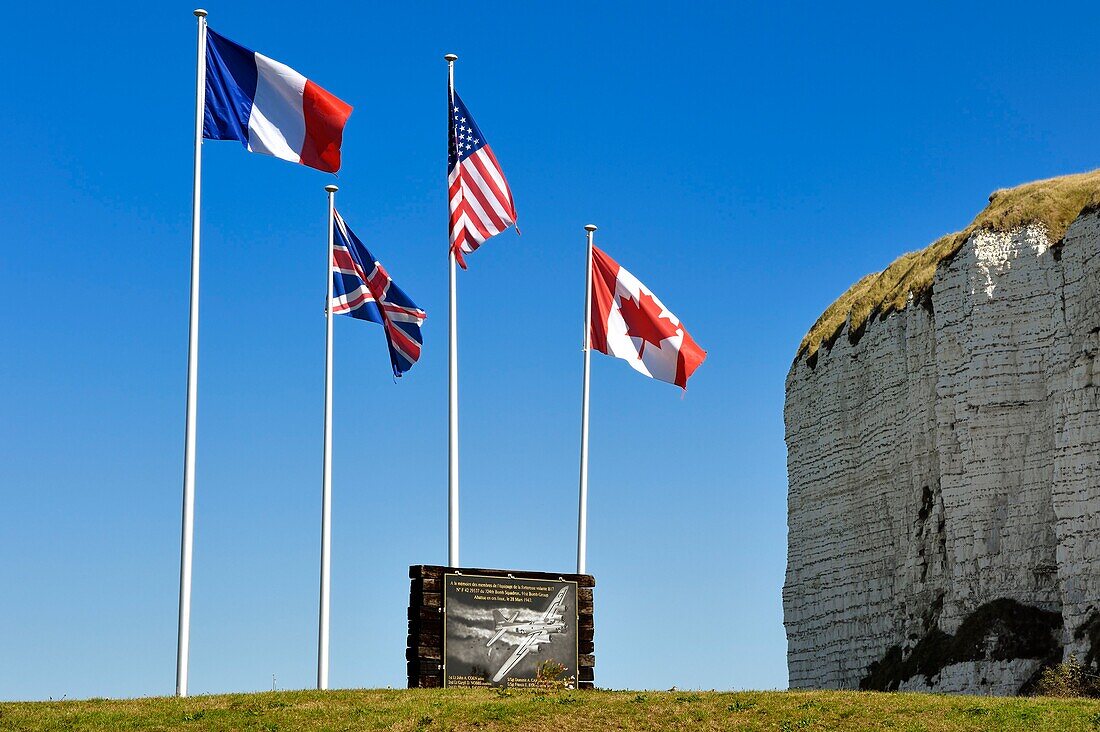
(1053, 203)
(435, 710)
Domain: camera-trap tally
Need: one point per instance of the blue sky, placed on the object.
(747, 162)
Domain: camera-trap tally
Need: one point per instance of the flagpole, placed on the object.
(452, 467)
(187, 531)
(582, 511)
(326, 471)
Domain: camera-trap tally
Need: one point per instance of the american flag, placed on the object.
(362, 288)
(481, 202)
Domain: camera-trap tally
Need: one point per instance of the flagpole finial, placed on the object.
(332, 188)
(589, 227)
(451, 58)
(200, 13)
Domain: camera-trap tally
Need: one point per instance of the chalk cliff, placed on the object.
(943, 437)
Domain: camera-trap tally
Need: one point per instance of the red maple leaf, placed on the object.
(643, 320)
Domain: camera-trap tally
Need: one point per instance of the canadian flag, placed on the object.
(630, 323)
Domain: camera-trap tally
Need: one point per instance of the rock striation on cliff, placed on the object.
(943, 437)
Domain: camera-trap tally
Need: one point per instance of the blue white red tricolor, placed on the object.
(270, 107)
(629, 322)
(362, 288)
(481, 201)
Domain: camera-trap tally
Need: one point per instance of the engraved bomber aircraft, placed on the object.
(532, 632)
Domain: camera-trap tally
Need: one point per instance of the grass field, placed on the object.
(567, 711)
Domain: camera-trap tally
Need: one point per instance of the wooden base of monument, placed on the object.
(424, 653)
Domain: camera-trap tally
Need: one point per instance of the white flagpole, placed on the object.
(582, 512)
(187, 532)
(326, 472)
(452, 469)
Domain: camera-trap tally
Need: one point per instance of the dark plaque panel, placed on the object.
(499, 631)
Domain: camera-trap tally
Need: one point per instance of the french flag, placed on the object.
(270, 107)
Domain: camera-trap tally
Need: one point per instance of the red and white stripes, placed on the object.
(481, 202)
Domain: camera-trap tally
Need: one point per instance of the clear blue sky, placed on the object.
(747, 163)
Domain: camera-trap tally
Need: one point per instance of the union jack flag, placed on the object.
(481, 202)
(362, 288)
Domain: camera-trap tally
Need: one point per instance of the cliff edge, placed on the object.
(943, 451)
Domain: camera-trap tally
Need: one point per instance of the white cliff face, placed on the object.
(944, 473)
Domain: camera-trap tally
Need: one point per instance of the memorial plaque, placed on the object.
(500, 631)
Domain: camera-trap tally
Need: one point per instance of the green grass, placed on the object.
(571, 711)
(1052, 203)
